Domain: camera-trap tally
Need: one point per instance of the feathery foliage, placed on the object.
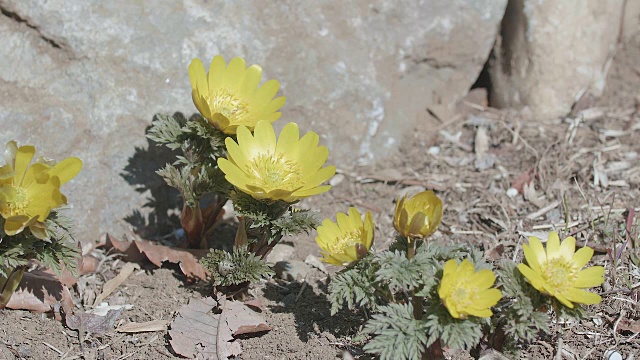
(235, 268)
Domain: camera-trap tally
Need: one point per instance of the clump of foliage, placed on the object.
(31, 224)
(425, 297)
(230, 152)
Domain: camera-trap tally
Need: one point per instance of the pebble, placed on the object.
(612, 355)
(337, 179)
(512, 192)
(280, 252)
(316, 263)
(411, 190)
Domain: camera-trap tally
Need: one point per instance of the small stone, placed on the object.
(512, 192)
(316, 263)
(411, 190)
(336, 179)
(434, 150)
(280, 252)
(612, 355)
(493, 355)
(292, 270)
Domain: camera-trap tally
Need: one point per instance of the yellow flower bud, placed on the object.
(418, 216)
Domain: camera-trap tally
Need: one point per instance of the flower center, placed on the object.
(229, 105)
(464, 294)
(18, 203)
(345, 241)
(275, 172)
(558, 273)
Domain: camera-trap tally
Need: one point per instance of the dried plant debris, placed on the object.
(139, 250)
(198, 333)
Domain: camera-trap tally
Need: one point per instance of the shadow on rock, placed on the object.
(159, 216)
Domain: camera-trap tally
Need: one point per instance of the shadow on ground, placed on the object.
(312, 312)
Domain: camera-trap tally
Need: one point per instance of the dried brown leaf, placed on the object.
(85, 322)
(629, 325)
(112, 284)
(133, 327)
(143, 249)
(194, 330)
(38, 291)
(186, 258)
(241, 320)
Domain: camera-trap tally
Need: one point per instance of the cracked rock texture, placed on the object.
(85, 78)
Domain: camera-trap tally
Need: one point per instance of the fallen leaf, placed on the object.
(531, 195)
(38, 291)
(143, 249)
(196, 332)
(186, 258)
(133, 327)
(629, 325)
(522, 179)
(112, 284)
(85, 322)
(255, 304)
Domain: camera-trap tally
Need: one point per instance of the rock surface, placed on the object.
(85, 79)
(550, 53)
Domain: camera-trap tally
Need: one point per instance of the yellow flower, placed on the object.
(418, 216)
(348, 240)
(29, 193)
(465, 292)
(229, 96)
(558, 271)
(288, 170)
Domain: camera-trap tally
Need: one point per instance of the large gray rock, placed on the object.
(85, 78)
(550, 53)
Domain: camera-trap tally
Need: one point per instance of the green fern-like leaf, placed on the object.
(235, 268)
(355, 286)
(296, 221)
(396, 334)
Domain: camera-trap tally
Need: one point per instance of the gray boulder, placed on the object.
(85, 78)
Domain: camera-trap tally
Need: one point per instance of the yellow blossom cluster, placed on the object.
(287, 168)
(28, 192)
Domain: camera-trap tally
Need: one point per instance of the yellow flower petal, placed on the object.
(251, 80)
(265, 137)
(234, 74)
(534, 278)
(582, 297)
(23, 159)
(593, 276)
(537, 250)
(266, 92)
(66, 169)
(287, 144)
(484, 278)
(567, 248)
(216, 73)
(553, 245)
(582, 257)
